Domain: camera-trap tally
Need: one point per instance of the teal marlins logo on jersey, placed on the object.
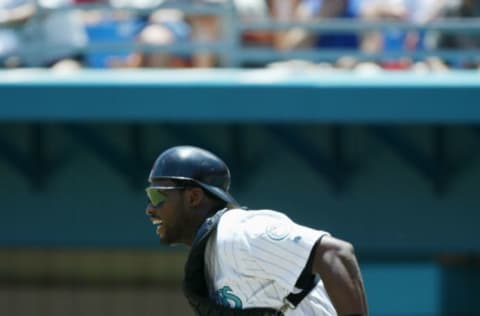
(226, 298)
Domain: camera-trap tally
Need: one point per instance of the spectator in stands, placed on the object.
(209, 28)
(309, 10)
(42, 37)
(165, 27)
(414, 11)
(162, 27)
(62, 31)
(171, 26)
(13, 13)
(462, 9)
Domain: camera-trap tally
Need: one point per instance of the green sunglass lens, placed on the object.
(155, 197)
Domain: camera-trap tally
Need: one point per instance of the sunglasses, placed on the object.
(156, 196)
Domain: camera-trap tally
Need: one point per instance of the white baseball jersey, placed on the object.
(255, 258)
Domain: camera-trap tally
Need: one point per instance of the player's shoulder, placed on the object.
(253, 223)
(241, 216)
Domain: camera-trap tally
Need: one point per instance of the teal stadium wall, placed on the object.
(402, 224)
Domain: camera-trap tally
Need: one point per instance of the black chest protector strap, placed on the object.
(305, 282)
(195, 285)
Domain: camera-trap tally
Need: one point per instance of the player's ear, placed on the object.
(194, 196)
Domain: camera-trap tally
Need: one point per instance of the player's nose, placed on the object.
(149, 210)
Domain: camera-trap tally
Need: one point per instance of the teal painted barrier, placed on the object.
(239, 96)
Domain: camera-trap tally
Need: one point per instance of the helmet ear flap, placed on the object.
(197, 165)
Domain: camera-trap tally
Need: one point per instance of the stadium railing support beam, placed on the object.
(433, 165)
(34, 163)
(334, 169)
(130, 165)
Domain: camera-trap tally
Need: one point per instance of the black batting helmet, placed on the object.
(197, 165)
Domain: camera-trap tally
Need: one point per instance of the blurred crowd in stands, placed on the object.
(43, 33)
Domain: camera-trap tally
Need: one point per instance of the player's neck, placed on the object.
(191, 229)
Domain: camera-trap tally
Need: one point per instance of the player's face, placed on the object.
(166, 210)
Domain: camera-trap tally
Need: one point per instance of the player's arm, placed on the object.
(337, 265)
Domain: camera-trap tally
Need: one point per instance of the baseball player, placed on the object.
(247, 262)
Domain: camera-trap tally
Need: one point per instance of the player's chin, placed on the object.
(162, 232)
(164, 238)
